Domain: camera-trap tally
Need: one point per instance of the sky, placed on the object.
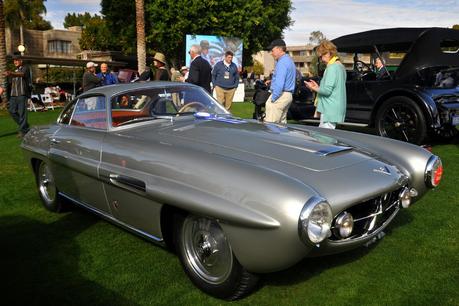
(332, 17)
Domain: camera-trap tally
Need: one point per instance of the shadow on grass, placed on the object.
(313, 266)
(8, 133)
(39, 264)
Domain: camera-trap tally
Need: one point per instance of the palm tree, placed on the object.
(140, 27)
(2, 48)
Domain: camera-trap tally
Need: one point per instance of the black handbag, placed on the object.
(261, 96)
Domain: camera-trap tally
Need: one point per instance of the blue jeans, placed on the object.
(18, 111)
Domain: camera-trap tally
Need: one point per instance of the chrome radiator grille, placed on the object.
(370, 215)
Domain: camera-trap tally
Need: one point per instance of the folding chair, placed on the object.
(47, 99)
(31, 105)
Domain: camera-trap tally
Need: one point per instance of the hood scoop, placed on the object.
(333, 150)
(324, 151)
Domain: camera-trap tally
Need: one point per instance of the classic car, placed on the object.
(419, 96)
(234, 198)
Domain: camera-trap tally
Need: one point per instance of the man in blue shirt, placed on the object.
(225, 79)
(282, 84)
(107, 77)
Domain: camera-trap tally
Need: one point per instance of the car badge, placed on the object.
(383, 170)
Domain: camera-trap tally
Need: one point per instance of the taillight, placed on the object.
(433, 172)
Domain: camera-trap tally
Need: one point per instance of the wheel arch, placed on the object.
(428, 107)
(167, 221)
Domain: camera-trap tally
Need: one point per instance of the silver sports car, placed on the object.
(234, 198)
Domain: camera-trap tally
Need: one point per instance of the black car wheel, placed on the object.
(402, 119)
(47, 188)
(208, 259)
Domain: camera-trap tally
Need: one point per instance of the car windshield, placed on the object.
(158, 102)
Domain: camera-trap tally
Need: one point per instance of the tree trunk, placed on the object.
(2, 50)
(140, 27)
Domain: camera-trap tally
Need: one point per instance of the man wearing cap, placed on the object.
(200, 70)
(19, 86)
(90, 79)
(282, 84)
(161, 74)
(107, 77)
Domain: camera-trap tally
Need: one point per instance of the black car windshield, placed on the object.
(158, 102)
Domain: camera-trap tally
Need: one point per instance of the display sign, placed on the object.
(214, 48)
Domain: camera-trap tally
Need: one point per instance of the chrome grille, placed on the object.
(370, 215)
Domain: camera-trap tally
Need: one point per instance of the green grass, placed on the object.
(77, 259)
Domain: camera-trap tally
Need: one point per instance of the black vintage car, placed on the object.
(418, 97)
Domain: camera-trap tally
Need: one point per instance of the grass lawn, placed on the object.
(77, 259)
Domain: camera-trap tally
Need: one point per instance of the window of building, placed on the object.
(59, 46)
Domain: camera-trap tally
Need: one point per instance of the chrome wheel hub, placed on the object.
(207, 251)
(46, 183)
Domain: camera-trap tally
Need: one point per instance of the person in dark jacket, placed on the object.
(200, 70)
(225, 79)
(90, 79)
(161, 74)
(19, 85)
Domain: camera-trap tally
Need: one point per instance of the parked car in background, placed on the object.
(234, 198)
(417, 98)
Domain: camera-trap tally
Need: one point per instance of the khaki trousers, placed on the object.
(277, 112)
(225, 96)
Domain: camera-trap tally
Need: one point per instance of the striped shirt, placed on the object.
(19, 85)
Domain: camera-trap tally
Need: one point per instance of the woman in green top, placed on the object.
(331, 93)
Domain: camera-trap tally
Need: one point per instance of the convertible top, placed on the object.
(393, 39)
(422, 45)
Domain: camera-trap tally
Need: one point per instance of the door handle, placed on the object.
(55, 141)
(122, 180)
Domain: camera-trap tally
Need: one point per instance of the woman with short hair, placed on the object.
(331, 94)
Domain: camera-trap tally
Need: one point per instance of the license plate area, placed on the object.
(455, 120)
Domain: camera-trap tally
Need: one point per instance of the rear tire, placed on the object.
(208, 259)
(47, 189)
(402, 119)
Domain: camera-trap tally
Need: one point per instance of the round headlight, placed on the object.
(315, 220)
(433, 172)
(344, 225)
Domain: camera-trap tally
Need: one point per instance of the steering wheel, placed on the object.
(362, 67)
(196, 105)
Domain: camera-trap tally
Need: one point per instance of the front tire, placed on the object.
(47, 189)
(402, 119)
(208, 259)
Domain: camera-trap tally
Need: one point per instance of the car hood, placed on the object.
(263, 143)
(329, 166)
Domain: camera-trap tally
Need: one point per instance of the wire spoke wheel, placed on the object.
(401, 118)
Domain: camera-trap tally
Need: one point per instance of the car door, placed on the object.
(122, 169)
(76, 151)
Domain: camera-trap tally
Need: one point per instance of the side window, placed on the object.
(90, 112)
(67, 114)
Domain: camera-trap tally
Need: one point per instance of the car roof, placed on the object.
(423, 46)
(115, 89)
(391, 39)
